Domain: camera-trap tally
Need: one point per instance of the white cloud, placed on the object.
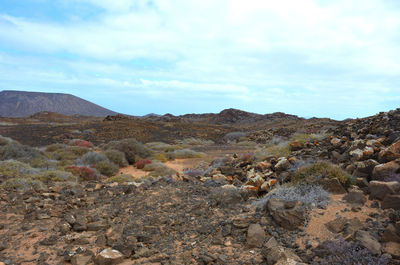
(252, 47)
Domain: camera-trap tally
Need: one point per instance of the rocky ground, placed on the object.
(327, 198)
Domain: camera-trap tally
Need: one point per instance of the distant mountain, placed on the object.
(226, 117)
(23, 104)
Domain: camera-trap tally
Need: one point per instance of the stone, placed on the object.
(80, 223)
(382, 171)
(332, 185)
(126, 245)
(336, 142)
(390, 234)
(392, 248)
(255, 236)
(283, 164)
(337, 225)
(81, 259)
(355, 197)
(357, 154)
(390, 153)
(227, 195)
(339, 158)
(380, 189)
(109, 257)
(288, 214)
(364, 168)
(279, 254)
(391, 201)
(368, 241)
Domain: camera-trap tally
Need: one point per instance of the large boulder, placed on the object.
(392, 248)
(366, 240)
(227, 195)
(391, 201)
(364, 168)
(355, 197)
(389, 169)
(288, 214)
(390, 153)
(380, 189)
(283, 164)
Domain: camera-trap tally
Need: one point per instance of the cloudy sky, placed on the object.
(320, 58)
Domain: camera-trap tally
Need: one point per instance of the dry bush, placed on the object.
(117, 157)
(185, 153)
(13, 168)
(92, 158)
(121, 178)
(131, 148)
(17, 151)
(107, 168)
(313, 173)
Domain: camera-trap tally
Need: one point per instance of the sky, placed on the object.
(312, 58)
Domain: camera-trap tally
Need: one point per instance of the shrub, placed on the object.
(158, 169)
(120, 178)
(141, 163)
(43, 163)
(107, 168)
(92, 158)
(341, 252)
(195, 141)
(55, 175)
(117, 157)
(310, 195)
(131, 148)
(84, 173)
(80, 143)
(274, 150)
(234, 136)
(186, 153)
(160, 146)
(17, 151)
(55, 147)
(77, 150)
(12, 168)
(22, 184)
(303, 138)
(319, 170)
(194, 172)
(5, 140)
(162, 157)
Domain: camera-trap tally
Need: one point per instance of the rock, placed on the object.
(295, 146)
(364, 168)
(255, 236)
(279, 254)
(368, 241)
(339, 158)
(379, 189)
(283, 164)
(81, 259)
(352, 226)
(125, 245)
(355, 197)
(357, 154)
(114, 234)
(109, 257)
(393, 249)
(391, 234)
(391, 201)
(386, 170)
(288, 214)
(80, 223)
(332, 185)
(336, 142)
(227, 195)
(390, 153)
(337, 225)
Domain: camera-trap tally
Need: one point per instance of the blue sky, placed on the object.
(338, 59)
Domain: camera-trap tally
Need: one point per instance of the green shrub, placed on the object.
(92, 158)
(13, 168)
(303, 138)
(162, 157)
(77, 150)
(132, 149)
(54, 176)
(107, 168)
(117, 157)
(55, 147)
(22, 184)
(160, 146)
(43, 163)
(195, 141)
(158, 169)
(120, 178)
(5, 140)
(274, 150)
(313, 173)
(17, 151)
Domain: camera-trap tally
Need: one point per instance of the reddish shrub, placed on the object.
(79, 142)
(141, 163)
(84, 172)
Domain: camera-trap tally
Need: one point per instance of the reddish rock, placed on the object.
(390, 153)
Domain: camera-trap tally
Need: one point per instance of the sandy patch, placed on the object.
(131, 170)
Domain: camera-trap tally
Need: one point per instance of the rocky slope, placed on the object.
(23, 104)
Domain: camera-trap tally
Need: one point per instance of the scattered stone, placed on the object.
(380, 189)
(355, 197)
(109, 257)
(337, 225)
(368, 241)
(382, 171)
(81, 259)
(390, 234)
(391, 201)
(288, 214)
(392, 248)
(255, 236)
